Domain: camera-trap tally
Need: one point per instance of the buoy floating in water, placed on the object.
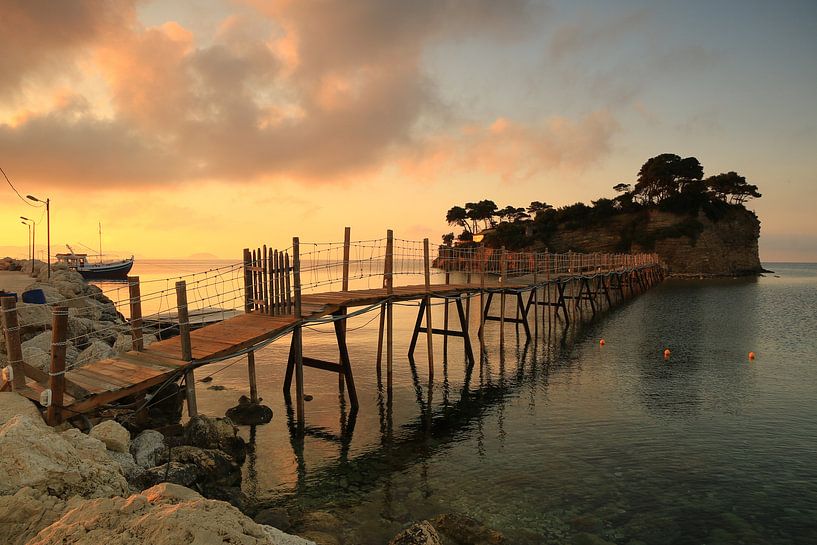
(601, 342)
(751, 356)
(667, 353)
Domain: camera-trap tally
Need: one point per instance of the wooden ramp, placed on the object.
(105, 381)
(271, 305)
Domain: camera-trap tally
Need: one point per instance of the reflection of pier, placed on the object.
(280, 292)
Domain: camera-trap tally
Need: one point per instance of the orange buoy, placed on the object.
(751, 356)
(667, 353)
(601, 342)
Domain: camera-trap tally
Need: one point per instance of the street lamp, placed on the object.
(33, 228)
(47, 203)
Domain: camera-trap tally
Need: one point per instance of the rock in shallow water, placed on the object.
(419, 533)
(247, 413)
(215, 433)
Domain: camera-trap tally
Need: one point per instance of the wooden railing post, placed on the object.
(11, 332)
(247, 281)
(56, 378)
(389, 280)
(503, 272)
(187, 348)
(429, 332)
(134, 291)
(347, 250)
(298, 332)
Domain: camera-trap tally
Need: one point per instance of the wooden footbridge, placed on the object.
(281, 292)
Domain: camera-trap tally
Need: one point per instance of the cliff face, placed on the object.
(688, 244)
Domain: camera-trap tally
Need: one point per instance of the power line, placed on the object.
(15, 189)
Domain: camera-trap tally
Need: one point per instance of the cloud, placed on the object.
(572, 38)
(41, 39)
(308, 90)
(518, 151)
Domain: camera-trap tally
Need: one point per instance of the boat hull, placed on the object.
(113, 271)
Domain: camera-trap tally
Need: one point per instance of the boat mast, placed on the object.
(100, 241)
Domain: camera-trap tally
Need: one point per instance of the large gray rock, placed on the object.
(148, 448)
(112, 433)
(37, 357)
(33, 318)
(165, 514)
(215, 433)
(65, 464)
(126, 463)
(25, 513)
(98, 350)
(13, 404)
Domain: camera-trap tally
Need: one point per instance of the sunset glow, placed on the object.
(203, 127)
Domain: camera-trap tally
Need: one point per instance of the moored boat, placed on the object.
(104, 270)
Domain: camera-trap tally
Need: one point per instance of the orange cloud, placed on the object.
(516, 151)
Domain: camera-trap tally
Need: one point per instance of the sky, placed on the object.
(204, 126)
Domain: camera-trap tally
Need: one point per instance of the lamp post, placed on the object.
(47, 203)
(33, 240)
(28, 247)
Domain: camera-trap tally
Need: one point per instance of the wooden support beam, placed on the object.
(251, 373)
(11, 332)
(298, 332)
(389, 280)
(429, 335)
(135, 294)
(59, 344)
(186, 347)
(347, 250)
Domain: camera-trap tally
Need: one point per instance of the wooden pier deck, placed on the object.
(274, 306)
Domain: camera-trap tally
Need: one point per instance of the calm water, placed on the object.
(548, 441)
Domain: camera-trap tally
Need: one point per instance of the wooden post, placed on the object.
(297, 334)
(503, 271)
(134, 291)
(429, 332)
(56, 379)
(389, 279)
(187, 348)
(251, 372)
(264, 284)
(347, 248)
(11, 331)
(481, 299)
(247, 281)
(535, 295)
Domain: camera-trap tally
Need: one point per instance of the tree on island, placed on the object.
(665, 175)
(665, 182)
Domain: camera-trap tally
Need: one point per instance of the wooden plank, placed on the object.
(107, 397)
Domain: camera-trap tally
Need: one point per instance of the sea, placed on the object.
(562, 439)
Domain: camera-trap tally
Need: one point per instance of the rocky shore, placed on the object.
(96, 330)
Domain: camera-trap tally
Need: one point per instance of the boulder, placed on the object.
(13, 404)
(173, 472)
(25, 513)
(215, 433)
(63, 465)
(147, 448)
(79, 329)
(277, 537)
(419, 533)
(214, 466)
(165, 514)
(247, 413)
(33, 318)
(123, 343)
(466, 529)
(111, 433)
(37, 357)
(126, 463)
(42, 342)
(98, 350)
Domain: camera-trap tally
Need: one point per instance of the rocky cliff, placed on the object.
(689, 245)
